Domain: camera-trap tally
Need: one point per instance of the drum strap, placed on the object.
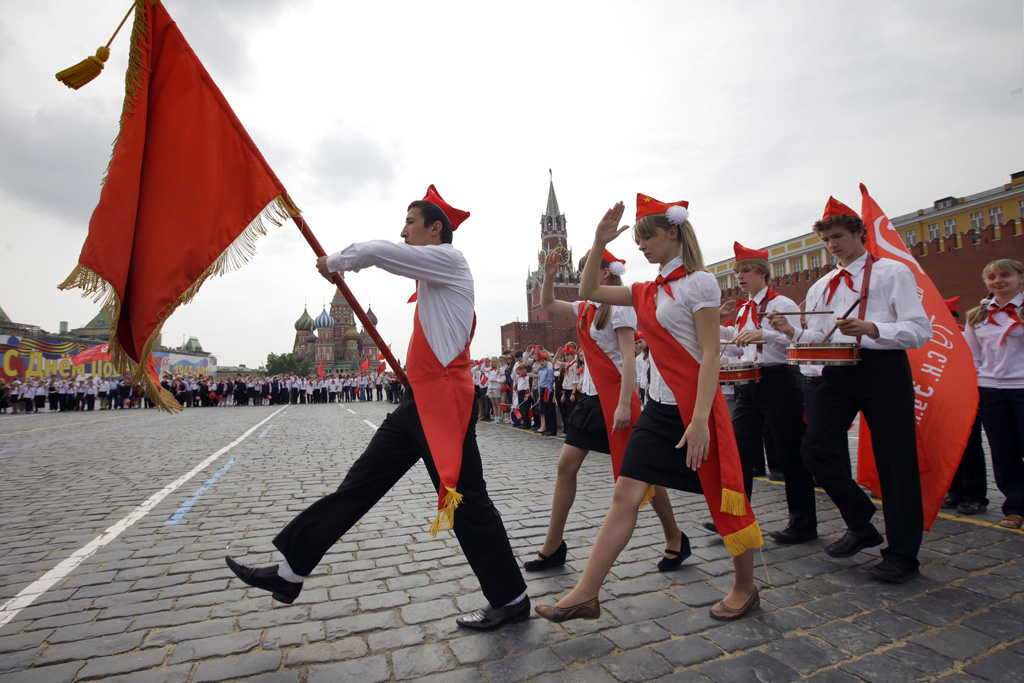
(864, 286)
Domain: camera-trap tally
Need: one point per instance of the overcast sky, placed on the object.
(755, 112)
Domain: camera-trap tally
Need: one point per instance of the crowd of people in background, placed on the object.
(58, 395)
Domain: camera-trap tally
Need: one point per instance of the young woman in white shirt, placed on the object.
(995, 334)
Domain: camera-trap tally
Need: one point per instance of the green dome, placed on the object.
(304, 323)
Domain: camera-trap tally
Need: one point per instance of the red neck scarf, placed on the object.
(676, 274)
(750, 312)
(608, 380)
(721, 475)
(1011, 312)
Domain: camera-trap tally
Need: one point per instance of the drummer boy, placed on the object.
(878, 310)
(776, 398)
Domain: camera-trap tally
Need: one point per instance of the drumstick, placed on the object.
(733, 342)
(836, 326)
(802, 312)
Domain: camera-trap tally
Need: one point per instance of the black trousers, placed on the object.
(970, 480)
(394, 448)
(776, 401)
(881, 387)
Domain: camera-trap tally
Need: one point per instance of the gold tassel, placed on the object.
(445, 519)
(90, 67)
(734, 502)
(648, 497)
(743, 540)
(86, 70)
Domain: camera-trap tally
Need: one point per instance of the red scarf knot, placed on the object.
(662, 281)
(842, 276)
(1011, 312)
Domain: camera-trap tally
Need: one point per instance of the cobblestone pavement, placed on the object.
(154, 601)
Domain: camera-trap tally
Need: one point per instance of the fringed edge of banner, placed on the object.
(234, 257)
(134, 76)
(648, 497)
(445, 518)
(743, 540)
(734, 502)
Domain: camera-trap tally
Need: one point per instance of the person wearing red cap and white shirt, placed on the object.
(995, 333)
(776, 399)
(643, 365)
(968, 491)
(606, 406)
(438, 425)
(886, 318)
(683, 439)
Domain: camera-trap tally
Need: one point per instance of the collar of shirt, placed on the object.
(1017, 301)
(671, 265)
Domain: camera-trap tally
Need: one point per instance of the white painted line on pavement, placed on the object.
(350, 410)
(28, 594)
(373, 426)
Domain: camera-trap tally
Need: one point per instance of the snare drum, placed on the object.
(823, 354)
(739, 373)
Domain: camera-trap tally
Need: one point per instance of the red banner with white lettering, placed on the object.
(945, 381)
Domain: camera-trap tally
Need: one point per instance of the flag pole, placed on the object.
(350, 298)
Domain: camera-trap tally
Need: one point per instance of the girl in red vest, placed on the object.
(995, 334)
(605, 408)
(684, 438)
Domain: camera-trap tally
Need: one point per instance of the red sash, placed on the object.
(445, 397)
(608, 380)
(721, 475)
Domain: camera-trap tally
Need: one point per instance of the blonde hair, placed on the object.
(1006, 265)
(604, 312)
(693, 259)
(759, 265)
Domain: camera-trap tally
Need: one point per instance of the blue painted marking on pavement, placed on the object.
(264, 432)
(187, 505)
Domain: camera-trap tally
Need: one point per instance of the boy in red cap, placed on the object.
(439, 428)
(776, 399)
(886, 319)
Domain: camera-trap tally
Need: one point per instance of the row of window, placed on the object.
(995, 217)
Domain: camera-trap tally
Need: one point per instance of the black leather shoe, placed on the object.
(487, 618)
(791, 536)
(971, 507)
(266, 578)
(667, 564)
(710, 526)
(950, 503)
(851, 543)
(556, 559)
(890, 571)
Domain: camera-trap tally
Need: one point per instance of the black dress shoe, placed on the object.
(487, 618)
(791, 536)
(267, 579)
(971, 507)
(950, 503)
(892, 572)
(667, 564)
(710, 526)
(852, 543)
(556, 559)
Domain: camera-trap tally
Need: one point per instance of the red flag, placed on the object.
(186, 195)
(945, 382)
(92, 354)
(382, 367)
(320, 368)
(365, 365)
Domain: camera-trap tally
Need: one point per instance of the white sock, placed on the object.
(518, 600)
(284, 570)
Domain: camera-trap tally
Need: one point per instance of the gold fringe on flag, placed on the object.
(743, 540)
(648, 497)
(235, 256)
(90, 67)
(445, 519)
(734, 502)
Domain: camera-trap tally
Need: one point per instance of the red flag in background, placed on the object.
(382, 367)
(945, 381)
(186, 195)
(365, 365)
(92, 354)
(320, 368)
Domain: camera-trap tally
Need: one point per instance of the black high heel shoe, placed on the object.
(556, 559)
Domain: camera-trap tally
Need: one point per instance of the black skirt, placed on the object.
(586, 429)
(651, 454)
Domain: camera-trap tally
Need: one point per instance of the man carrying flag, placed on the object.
(440, 395)
(885, 319)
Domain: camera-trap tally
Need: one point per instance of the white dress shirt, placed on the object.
(894, 306)
(607, 339)
(445, 297)
(1000, 366)
(773, 351)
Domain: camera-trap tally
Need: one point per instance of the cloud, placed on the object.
(347, 163)
(55, 159)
